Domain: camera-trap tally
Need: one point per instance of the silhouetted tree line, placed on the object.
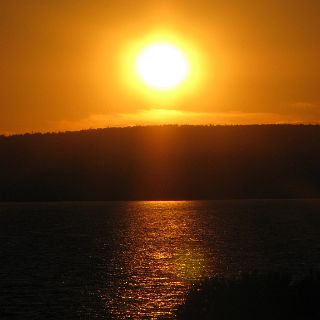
(276, 296)
(162, 162)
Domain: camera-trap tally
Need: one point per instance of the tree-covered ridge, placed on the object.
(162, 162)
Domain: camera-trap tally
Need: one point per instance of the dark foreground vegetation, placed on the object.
(162, 162)
(252, 297)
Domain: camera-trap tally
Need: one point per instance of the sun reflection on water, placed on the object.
(161, 260)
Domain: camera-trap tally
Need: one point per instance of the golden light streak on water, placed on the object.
(165, 258)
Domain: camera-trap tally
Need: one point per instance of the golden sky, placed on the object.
(68, 64)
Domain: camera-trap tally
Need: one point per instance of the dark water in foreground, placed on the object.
(137, 260)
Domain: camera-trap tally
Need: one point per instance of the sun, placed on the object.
(162, 66)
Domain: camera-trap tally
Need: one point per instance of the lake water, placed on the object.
(137, 260)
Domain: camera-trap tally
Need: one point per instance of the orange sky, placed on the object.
(65, 64)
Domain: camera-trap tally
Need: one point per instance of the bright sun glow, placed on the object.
(162, 66)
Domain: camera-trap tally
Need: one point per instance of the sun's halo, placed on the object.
(162, 66)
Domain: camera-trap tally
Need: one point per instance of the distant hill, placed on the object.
(162, 162)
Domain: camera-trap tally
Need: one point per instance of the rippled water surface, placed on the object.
(137, 260)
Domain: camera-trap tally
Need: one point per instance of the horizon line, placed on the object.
(305, 124)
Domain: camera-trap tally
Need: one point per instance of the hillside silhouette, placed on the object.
(162, 162)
